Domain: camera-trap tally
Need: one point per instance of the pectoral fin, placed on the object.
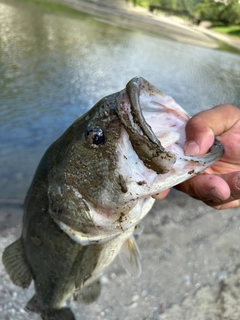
(15, 264)
(87, 265)
(130, 257)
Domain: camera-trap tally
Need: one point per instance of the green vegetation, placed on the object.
(53, 6)
(221, 12)
(142, 3)
(169, 4)
(230, 30)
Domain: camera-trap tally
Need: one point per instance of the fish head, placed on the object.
(86, 161)
(128, 147)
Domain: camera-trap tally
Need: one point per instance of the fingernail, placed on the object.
(237, 183)
(216, 195)
(191, 148)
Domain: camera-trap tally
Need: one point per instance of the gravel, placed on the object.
(190, 269)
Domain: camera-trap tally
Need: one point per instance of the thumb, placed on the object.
(202, 128)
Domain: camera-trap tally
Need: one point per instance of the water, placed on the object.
(56, 64)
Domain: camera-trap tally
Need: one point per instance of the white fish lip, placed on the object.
(133, 89)
(134, 103)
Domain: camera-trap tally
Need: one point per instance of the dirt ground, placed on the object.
(190, 269)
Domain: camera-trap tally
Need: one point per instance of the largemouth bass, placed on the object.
(90, 191)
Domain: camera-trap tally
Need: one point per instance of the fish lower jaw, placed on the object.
(85, 239)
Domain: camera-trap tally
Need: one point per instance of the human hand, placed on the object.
(219, 185)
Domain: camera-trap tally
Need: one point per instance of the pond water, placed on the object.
(56, 64)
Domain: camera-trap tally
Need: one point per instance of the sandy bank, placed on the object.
(138, 18)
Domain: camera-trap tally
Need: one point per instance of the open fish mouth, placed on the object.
(155, 125)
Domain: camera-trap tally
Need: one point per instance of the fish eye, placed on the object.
(95, 135)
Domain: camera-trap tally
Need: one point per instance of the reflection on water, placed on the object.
(55, 65)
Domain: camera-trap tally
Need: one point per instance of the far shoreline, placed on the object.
(137, 18)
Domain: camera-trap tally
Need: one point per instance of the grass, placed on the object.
(53, 6)
(230, 30)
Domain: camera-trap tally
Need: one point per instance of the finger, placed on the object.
(206, 187)
(220, 192)
(229, 205)
(202, 128)
(233, 181)
(161, 195)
